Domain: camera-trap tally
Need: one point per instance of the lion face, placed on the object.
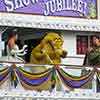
(55, 39)
(53, 45)
(57, 42)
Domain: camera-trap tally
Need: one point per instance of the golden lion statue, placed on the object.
(49, 51)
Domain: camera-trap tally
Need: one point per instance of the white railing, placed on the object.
(17, 94)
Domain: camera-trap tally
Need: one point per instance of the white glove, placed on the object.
(22, 54)
(24, 47)
(25, 53)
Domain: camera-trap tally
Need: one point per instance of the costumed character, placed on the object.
(13, 54)
(49, 51)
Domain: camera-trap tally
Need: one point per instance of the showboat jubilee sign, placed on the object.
(64, 8)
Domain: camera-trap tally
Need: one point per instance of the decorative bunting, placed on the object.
(4, 74)
(98, 74)
(30, 80)
(32, 75)
(33, 82)
(53, 78)
(14, 80)
(75, 82)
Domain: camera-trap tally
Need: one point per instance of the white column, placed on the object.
(2, 30)
(94, 84)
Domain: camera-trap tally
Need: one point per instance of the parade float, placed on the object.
(74, 20)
